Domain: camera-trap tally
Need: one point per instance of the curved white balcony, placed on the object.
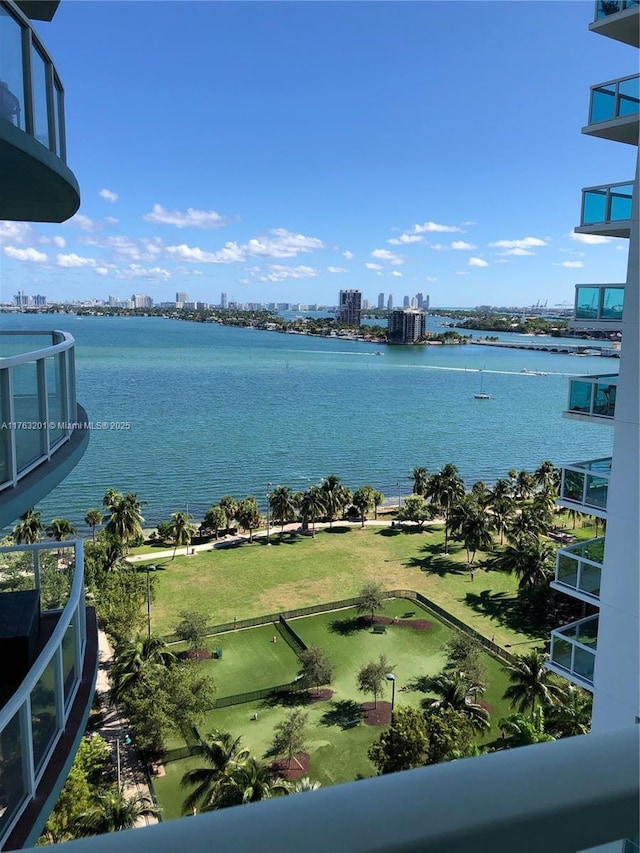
(37, 185)
(592, 398)
(585, 486)
(618, 19)
(579, 570)
(46, 682)
(614, 110)
(606, 210)
(43, 431)
(573, 651)
(598, 306)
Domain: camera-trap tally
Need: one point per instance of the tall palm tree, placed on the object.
(125, 519)
(336, 497)
(304, 784)
(531, 560)
(282, 503)
(474, 526)
(248, 515)
(445, 489)
(134, 659)
(182, 530)
(524, 485)
(545, 474)
(420, 480)
(113, 812)
(455, 691)
(110, 499)
(519, 730)
(502, 512)
(251, 782)
(572, 716)
(92, 519)
(59, 529)
(531, 682)
(215, 519)
(363, 501)
(229, 506)
(527, 523)
(502, 490)
(378, 499)
(222, 754)
(312, 506)
(29, 528)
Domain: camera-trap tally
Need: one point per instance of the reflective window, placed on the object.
(590, 579)
(55, 395)
(11, 80)
(603, 103)
(612, 302)
(57, 118)
(587, 303)
(29, 441)
(594, 207)
(621, 203)
(13, 789)
(43, 714)
(567, 570)
(580, 396)
(39, 80)
(561, 652)
(629, 99)
(68, 662)
(604, 402)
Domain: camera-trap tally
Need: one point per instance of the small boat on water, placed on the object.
(481, 395)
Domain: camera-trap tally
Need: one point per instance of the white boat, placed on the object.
(480, 395)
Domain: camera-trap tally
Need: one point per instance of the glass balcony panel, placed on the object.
(597, 489)
(594, 550)
(11, 79)
(611, 7)
(57, 113)
(573, 486)
(29, 439)
(57, 416)
(621, 203)
(13, 789)
(39, 79)
(43, 714)
(567, 570)
(594, 207)
(580, 396)
(612, 303)
(587, 300)
(55, 579)
(603, 103)
(68, 663)
(590, 579)
(561, 652)
(629, 98)
(583, 663)
(604, 402)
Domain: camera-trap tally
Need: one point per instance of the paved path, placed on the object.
(114, 728)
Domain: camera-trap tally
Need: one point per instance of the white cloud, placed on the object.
(525, 243)
(337, 269)
(519, 252)
(348, 255)
(108, 195)
(430, 278)
(386, 255)
(74, 260)
(468, 223)
(279, 272)
(434, 227)
(137, 271)
(438, 247)
(405, 238)
(16, 232)
(396, 274)
(33, 256)
(193, 254)
(589, 239)
(460, 245)
(371, 266)
(111, 220)
(570, 264)
(60, 242)
(192, 218)
(102, 270)
(461, 272)
(84, 223)
(477, 262)
(282, 244)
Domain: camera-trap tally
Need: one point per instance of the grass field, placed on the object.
(338, 753)
(253, 579)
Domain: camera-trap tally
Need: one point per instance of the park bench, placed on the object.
(352, 723)
(379, 629)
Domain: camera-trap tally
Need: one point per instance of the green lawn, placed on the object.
(338, 754)
(252, 580)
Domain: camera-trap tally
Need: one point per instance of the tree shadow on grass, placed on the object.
(421, 684)
(287, 699)
(347, 627)
(433, 561)
(505, 609)
(345, 714)
(337, 530)
(390, 531)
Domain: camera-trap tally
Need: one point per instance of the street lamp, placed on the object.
(268, 487)
(391, 677)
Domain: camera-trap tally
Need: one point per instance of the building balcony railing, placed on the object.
(592, 397)
(617, 19)
(579, 570)
(32, 129)
(614, 110)
(585, 486)
(598, 306)
(43, 663)
(606, 210)
(573, 651)
(564, 808)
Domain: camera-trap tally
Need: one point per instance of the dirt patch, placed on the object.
(296, 769)
(319, 695)
(197, 654)
(484, 705)
(416, 624)
(379, 715)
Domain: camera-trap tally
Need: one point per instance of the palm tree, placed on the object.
(59, 529)
(531, 682)
(182, 530)
(363, 501)
(222, 754)
(454, 691)
(113, 812)
(282, 503)
(531, 560)
(420, 481)
(529, 522)
(480, 492)
(472, 524)
(92, 519)
(502, 511)
(501, 490)
(545, 474)
(215, 519)
(248, 515)
(29, 528)
(110, 499)
(304, 784)
(378, 499)
(250, 782)
(125, 519)
(229, 506)
(336, 497)
(133, 659)
(572, 716)
(518, 730)
(524, 485)
(445, 489)
(312, 506)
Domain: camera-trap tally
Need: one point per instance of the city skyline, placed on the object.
(417, 160)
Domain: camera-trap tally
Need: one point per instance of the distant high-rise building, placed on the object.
(366, 305)
(390, 302)
(21, 299)
(406, 302)
(420, 300)
(350, 308)
(406, 325)
(414, 302)
(181, 297)
(141, 301)
(223, 300)
(113, 301)
(426, 302)
(381, 301)
(39, 300)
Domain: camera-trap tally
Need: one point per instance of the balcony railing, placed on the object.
(599, 303)
(573, 650)
(579, 569)
(566, 805)
(585, 486)
(614, 110)
(617, 19)
(593, 396)
(604, 8)
(37, 398)
(35, 715)
(607, 209)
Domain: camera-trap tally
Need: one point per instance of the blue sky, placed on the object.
(283, 151)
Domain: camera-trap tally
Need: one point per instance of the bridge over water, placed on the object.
(553, 345)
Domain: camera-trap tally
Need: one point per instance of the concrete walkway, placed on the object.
(114, 729)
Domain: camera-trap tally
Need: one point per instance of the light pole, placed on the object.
(149, 600)
(399, 495)
(391, 677)
(268, 487)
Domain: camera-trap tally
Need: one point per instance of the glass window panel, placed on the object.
(567, 570)
(587, 632)
(573, 485)
(29, 440)
(629, 97)
(583, 664)
(594, 206)
(612, 303)
(57, 111)
(590, 579)
(68, 662)
(603, 101)
(11, 80)
(55, 388)
(13, 789)
(39, 81)
(595, 550)
(621, 204)
(580, 396)
(597, 489)
(587, 303)
(561, 652)
(605, 400)
(43, 714)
